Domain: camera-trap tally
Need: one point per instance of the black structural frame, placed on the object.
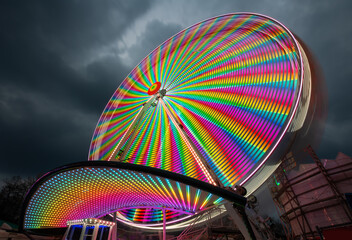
(226, 194)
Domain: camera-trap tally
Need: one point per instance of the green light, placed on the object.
(277, 183)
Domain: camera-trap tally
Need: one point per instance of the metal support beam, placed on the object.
(114, 233)
(96, 230)
(203, 164)
(132, 130)
(83, 231)
(240, 218)
(331, 182)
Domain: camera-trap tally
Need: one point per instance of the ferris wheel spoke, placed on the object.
(131, 132)
(209, 173)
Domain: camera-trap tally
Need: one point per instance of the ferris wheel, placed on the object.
(213, 103)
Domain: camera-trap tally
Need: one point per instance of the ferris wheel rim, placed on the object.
(297, 96)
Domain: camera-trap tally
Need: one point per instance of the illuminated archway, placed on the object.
(94, 189)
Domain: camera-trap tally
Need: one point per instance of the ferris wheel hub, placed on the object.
(154, 88)
(162, 92)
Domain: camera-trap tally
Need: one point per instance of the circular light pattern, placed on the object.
(230, 89)
(154, 88)
(233, 83)
(149, 215)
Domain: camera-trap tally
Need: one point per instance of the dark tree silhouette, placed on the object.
(12, 193)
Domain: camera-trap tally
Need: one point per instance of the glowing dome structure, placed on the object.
(85, 189)
(212, 103)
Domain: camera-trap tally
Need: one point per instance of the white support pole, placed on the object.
(164, 224)
(83, 233)
(67, 231)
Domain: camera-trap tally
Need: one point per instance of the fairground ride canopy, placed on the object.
(213, 102)
(94, 189)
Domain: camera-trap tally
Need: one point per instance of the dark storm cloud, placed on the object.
(60, 62)
(155, 33)
(327, 31)
(48, 105)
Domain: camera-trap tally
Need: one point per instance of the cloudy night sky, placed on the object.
(60, 62)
